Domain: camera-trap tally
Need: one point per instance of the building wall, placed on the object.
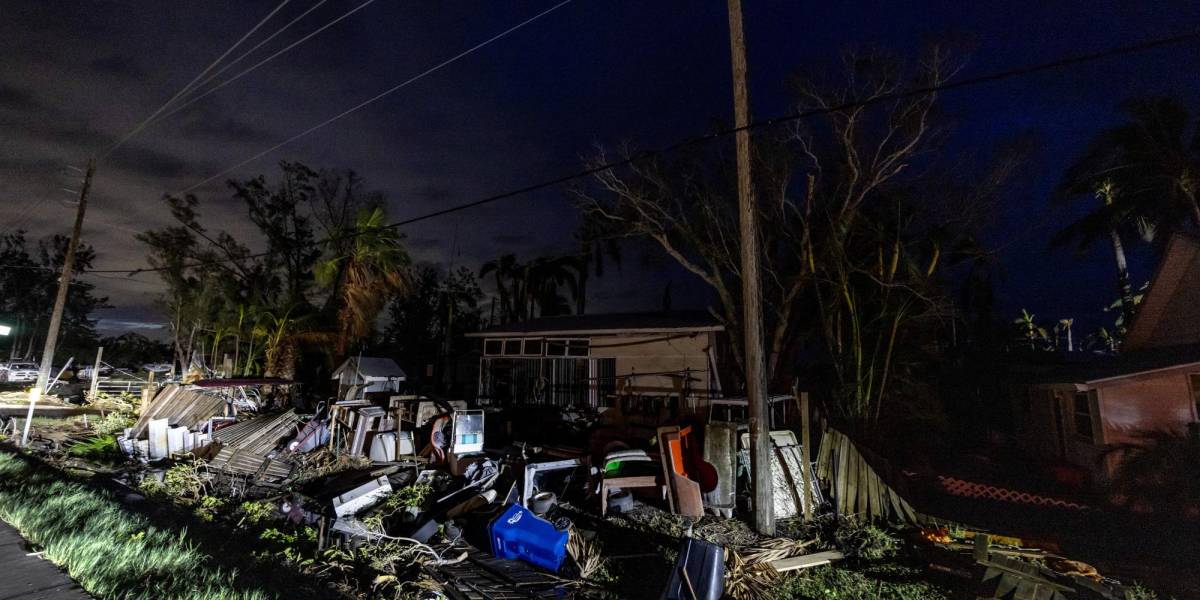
(1155, 401)
(653, 364)
(1119, 408)
(658, 354)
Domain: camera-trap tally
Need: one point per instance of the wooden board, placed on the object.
(796, 563)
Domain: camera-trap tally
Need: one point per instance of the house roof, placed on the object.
(1169, 314)
(689, 321)
(1094, 368)
(372, 367)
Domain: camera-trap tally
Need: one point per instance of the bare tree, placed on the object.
(853, 227)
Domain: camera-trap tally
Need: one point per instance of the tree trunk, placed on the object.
(1123, 285)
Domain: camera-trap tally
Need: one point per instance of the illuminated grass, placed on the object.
(111, 552)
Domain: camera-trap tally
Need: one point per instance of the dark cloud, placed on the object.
(227, 129)
(513, 239)
(18, 100)
(148, 162)
(119, 65)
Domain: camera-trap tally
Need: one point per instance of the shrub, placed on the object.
(883, 583)
(113, 423)
(186, 480)
(256, 511)
(857, 539)
(96, 448)
(209, 508)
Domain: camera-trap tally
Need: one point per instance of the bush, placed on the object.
(857, 539)
(96, 448)
(209, 508)
(113, 423)
(186, 480)
(255, 512)
(889, 582)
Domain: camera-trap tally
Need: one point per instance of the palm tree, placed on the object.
(509, 276)
(543, 277)
(1029, 330)
(1154, 161)
(595, 245)
(1145, 172)
(364, 275)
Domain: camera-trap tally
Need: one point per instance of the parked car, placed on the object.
(20, 372)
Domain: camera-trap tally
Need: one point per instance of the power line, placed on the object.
(239, 59)
(795, 116)
(262, 62)
(187, 88)
(381, 95)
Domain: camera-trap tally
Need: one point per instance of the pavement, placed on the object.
(30, 577)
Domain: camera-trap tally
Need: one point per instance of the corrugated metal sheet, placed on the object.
(245, 447)
(259, 435)
(256, 466)
(182, 406)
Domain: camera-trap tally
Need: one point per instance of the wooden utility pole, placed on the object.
(756, 379)
(94, 388)
(60, 302)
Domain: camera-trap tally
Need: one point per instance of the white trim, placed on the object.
(1146, 372)
(584, 332)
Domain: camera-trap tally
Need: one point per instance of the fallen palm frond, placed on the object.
(748, 573)
(776, 549)
(745, 580)
(586, 554)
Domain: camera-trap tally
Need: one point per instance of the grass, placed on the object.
(885, 581)
(111, 552)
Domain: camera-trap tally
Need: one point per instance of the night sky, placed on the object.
(75, 76)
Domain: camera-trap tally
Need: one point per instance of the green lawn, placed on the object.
(110, 551)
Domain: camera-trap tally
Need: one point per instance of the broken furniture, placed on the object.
(737, 410)
(787, 474)
(625, 470)
(483, 577)
(466, 440)
(529, 487)
(519, 534)
(699, 572)
(352, 422)
(362, 497)
(681, 461)
(720, 450)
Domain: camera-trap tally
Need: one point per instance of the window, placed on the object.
(492, 347)
(533, 347)
(512, 347)
(1194, 381)
(1083, 415)
(567, 347)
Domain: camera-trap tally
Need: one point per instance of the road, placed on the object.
(30, 577)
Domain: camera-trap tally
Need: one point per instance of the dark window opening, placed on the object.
(1083, 415)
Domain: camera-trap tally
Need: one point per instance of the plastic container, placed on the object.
(518, 534)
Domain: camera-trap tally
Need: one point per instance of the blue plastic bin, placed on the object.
(519, 534)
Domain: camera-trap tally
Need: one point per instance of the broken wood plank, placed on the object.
(806, 457)
(796, 563)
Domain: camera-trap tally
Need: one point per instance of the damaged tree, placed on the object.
(849, 229)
